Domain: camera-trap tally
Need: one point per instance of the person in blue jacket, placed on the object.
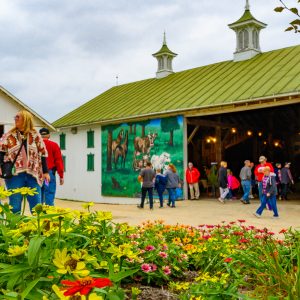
(160, 186)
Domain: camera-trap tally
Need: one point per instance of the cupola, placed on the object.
(164, 59)
(247, 30)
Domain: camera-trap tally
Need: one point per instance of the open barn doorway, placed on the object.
(273, 132)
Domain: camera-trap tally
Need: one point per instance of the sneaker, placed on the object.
(256, 215)
(173, 206)
(168, 204)
(140, 206)
(275, 217)
(221, 200)
(251, 197)
(161, 207)
(151, 208)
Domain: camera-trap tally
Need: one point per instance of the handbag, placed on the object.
(8, 166)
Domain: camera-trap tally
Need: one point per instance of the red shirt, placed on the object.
(54, 159)
(259, 176)
(192, 176)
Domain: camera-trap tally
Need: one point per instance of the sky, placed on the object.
(56, 55)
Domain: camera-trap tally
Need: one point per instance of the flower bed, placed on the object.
(69, 254)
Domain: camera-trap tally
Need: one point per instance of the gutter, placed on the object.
(182, 110)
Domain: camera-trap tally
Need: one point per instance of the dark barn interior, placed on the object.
(234, 137)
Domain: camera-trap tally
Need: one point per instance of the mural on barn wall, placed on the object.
(127, 147)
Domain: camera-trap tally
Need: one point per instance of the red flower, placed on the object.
(238, 233)
(228, 259)
(243, 241)
(283, 231)
(84, 285)
(242, 221)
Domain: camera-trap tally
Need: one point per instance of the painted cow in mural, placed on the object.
(159, 162)
(144, 144)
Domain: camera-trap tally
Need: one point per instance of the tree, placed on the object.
(143, 124)
(295, 24)
(169, 125)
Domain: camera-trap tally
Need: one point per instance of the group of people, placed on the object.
(35, 160)
(269, 182)
(169, 181)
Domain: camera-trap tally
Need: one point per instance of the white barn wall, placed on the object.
(8, 109)
(80, 184)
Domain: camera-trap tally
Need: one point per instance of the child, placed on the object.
(233, 184)
(160, 186)
(269, 191)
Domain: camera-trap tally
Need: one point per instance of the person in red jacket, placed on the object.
(192, 178)
(55, 164)
(259, 173)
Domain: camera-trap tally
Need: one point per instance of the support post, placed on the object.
(218, 131)
(185, 157)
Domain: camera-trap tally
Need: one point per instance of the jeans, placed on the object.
(160, 193)
(246, 184)
(260, 194)
(223, 192)
(272, 201)
(172, 196)
(23, 180)
(48, 191)
(150, 194)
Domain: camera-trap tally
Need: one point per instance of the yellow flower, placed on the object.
(17, 250)
(67, 264)
(4, 193)
(87, 205)
(179, 286)
(25, 191)
(91, 229)
(103, 215)
(123, 250)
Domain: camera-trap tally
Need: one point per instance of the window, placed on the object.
(90, 139)
(255, 39)
(64, 162)
(243, 38)
(90, 162)
(62, 141)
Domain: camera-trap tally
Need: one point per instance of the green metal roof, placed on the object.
(247, 16)
(270, 73)
(164, 50)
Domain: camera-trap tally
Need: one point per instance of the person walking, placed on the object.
(223, 181)
(245, 176)
(192, 176)
(269, 191)
(55, 164)
(160, 186)
(233, 185)
(172, 184)
(24, 144)
(147, 176)
(277, 171)
(286, 180)
(259, 174)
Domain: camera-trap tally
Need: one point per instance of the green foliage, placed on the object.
(294, 25)
(168, 124)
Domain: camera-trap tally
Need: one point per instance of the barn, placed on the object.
(233, 110)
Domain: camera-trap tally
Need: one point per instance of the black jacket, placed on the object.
(271, 187)
(222, 178)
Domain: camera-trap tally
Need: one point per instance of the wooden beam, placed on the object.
(218, 143)
(209, 123)
(193, 134)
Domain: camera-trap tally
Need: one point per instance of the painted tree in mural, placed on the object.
(143, 124)
(169, 125)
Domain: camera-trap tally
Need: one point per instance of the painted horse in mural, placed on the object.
(121, 152)
(117, 141)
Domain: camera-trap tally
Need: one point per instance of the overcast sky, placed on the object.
(57, 54)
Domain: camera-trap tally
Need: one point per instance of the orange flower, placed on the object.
(84, 285)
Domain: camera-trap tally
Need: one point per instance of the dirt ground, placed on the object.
(203, 211)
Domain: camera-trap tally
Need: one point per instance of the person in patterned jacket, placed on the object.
(30, 169)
